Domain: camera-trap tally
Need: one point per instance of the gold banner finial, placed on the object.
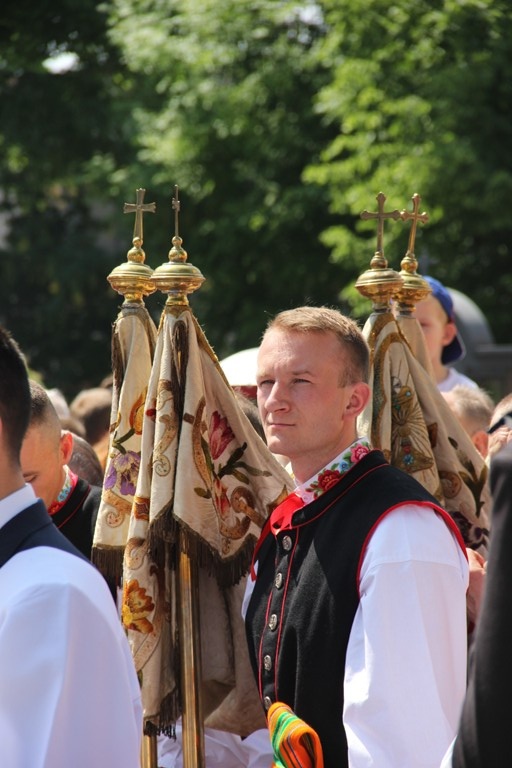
(133, 278)
(414, 287)
(177, 278)
(379, 283)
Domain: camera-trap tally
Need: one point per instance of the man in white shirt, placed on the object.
(69, 694)
(357, 615)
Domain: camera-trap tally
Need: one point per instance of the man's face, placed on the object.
(302, 406)
(42, 463)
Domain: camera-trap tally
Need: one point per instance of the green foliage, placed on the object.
(235, 127)
(280, 122)
(421, 98)
(61, 134)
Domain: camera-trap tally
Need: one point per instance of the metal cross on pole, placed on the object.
(176, 206)
(381, 216)
(139, 208)
(414, 216)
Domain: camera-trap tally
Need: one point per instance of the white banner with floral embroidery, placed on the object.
(409, 420)
(207, 474)
(133, 344)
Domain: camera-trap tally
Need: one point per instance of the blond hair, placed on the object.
(356, 357)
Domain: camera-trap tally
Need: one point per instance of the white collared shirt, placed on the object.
(69, 693)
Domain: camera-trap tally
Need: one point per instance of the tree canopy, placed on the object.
(280, 122)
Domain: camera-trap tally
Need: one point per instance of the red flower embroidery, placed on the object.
(357, 452)
(328, 478)
(221, 500)
(151, 412)
(220, 435)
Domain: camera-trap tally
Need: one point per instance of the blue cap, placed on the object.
(456, 349)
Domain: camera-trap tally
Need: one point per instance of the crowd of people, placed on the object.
(356, 603)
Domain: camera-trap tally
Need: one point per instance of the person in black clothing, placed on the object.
(71, 501)
(483, 738)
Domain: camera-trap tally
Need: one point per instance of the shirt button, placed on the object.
(267, 702)
(267, 663)
(272, 624)
(278, 581)
(287, 543)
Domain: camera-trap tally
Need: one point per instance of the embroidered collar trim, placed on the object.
(331, 474)
(70, 482)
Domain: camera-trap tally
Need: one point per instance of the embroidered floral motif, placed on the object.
(329, 476)
(137, 605)
(151, 412)
(220, 434)
(70, 481)
(135, 421)
(141, 508)
(209, 445)
(123, 472)
(137, 413)
(357, 452)
(221, 500)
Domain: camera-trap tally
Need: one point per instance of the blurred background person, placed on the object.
(500, 429)
(84, 461)
(436, 317)
(474, 408)
(46, 450)
(92, 407)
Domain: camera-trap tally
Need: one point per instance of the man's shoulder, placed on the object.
(53, 575)
(85, 488)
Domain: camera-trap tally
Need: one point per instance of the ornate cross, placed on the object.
(139, 209)
(415, 217)
(176, 206)
(380, 216)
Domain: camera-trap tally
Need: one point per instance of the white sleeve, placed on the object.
(69, 693)
(405, 672)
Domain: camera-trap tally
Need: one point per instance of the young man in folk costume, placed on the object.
(356, 610)
(72, 502)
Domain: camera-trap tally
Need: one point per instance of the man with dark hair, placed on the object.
(69, 694)
(72, 501)
(357, 617)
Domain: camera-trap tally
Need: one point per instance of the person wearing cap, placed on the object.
(436, 317)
